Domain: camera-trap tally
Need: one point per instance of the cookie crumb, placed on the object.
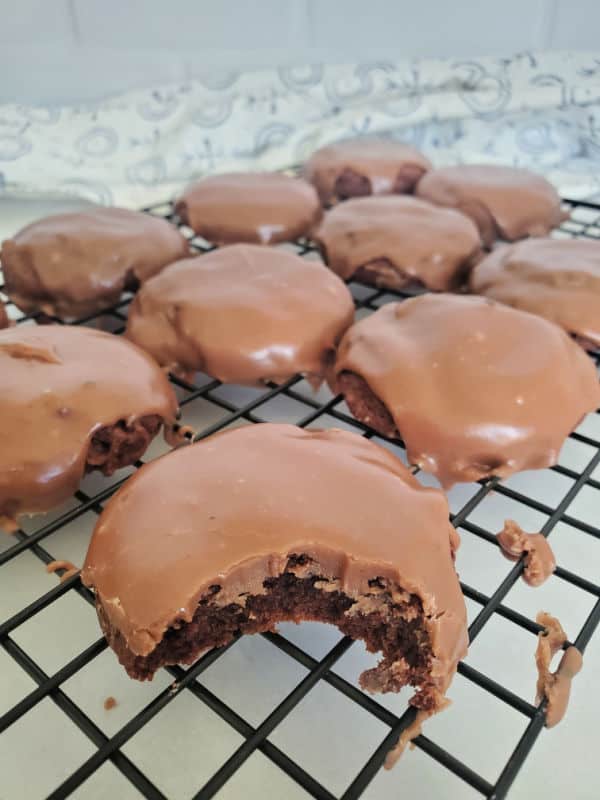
(109, 703)
(68, 566)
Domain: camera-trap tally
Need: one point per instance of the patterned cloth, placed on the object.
(536, 110)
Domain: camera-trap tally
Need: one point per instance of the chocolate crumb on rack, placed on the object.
(555, 686)
(110, 703)
(539, 561)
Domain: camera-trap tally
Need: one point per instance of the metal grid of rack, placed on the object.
(316, 410)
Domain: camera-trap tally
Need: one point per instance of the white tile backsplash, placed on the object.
(192, 25)
(429, 28)
(76, 50)
(60, 72)
(30, 21)
(575, 25)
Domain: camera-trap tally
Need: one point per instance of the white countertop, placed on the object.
(326, 734)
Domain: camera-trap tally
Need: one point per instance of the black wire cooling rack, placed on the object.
(109, 748)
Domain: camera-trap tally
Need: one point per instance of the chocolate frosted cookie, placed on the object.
(360, 167)
(398, 242)
(255, 207)
(271, 523)
(473, 387)
(72, 265)
(504, 202)
(72, 399)
(4, 320)
(556, 278)
(243, 314)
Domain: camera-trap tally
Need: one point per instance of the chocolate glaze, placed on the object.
(555, 686)
(4, 320)
(556, 278)
(255, 207)
(419, 241)
(539, 561)
(358, 167)
(241, 503)
(59, 385)
(243, 314)
(474, 388)
(72, 265)
(505, 202)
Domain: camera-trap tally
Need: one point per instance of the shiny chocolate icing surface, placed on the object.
(556, 278)
(367, 166)
(243, 314)
(255, 207)
(73, 265)
(234, 507)
(505, 202)
(60, 384)
(474, 388)
(418, 241)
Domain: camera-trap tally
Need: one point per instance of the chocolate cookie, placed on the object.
(243, 314)
(556, 278)
(4, 320)
(72, 399)
(270, 523)
(360, 167)
(73, 265)
(399, 242)
(474, 388)
(504, 202)
(255, 207)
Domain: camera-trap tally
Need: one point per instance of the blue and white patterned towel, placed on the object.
(536, 110)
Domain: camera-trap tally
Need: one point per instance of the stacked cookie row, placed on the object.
(430, 240)
(246, 313)
(254, 526)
